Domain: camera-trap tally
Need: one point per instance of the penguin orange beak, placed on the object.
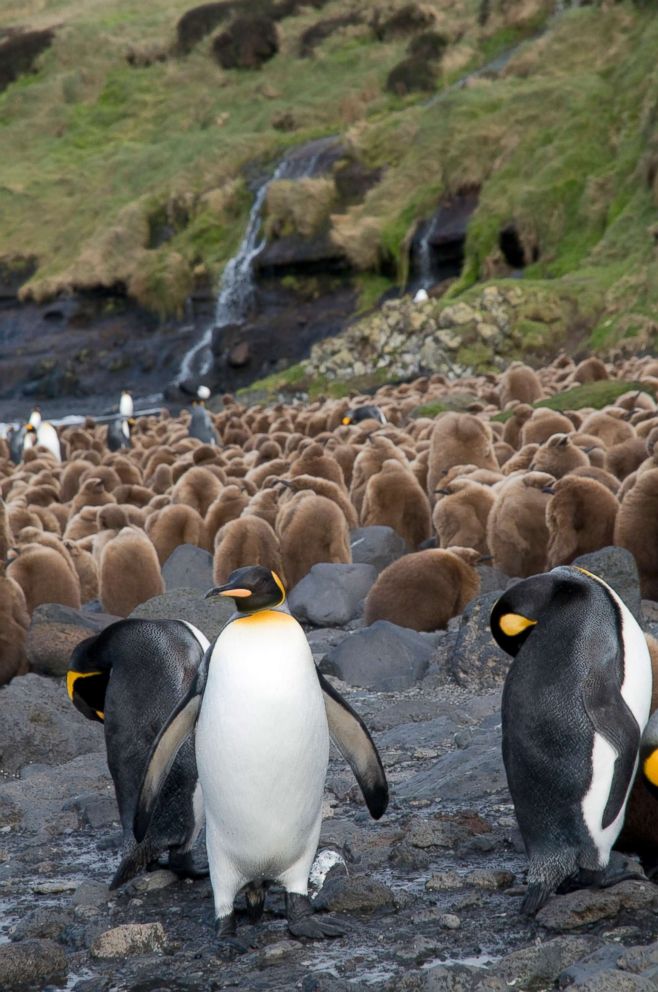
(228, 590)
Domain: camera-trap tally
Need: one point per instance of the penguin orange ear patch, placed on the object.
(280, 585)
(650, 767)
(513, 624)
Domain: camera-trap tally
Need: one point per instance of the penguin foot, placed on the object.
(184, 865)
(620, 869)
(228, 945)
(538, 893)
(302, 921)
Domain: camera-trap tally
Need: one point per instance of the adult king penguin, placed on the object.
(129, 677)
(263, 716)
(575, 702)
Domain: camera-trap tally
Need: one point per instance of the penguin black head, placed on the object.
(253, 588)
(86, 682)
(516, 614)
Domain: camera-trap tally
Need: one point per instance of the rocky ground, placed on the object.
(430, 895)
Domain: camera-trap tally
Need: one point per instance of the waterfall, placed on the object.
(236, 288)
(425, 278)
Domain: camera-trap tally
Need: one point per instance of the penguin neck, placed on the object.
(247, 614)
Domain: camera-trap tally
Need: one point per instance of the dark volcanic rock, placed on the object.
(354, 895)
(38, 723)
(184, 604)
(464, 775)
(383, 657)
(188, 567)
(577, 909)
(617, 567)
(476, 660)
(378, 546)
(331, 594)
(541, 964)
(19, 52)
(55, 630)
(30, 964)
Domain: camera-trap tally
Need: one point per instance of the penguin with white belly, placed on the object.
(129, 677)
(575, 702)
(263, 716)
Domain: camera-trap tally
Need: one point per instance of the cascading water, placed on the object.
(236, 289)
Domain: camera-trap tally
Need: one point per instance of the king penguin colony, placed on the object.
(575, 702)
(263, 716)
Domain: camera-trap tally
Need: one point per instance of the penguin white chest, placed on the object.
(262, 742)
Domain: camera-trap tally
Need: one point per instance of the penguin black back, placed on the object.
(574, 703)
(130, 676)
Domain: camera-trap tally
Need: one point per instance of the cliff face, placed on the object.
(476, 141)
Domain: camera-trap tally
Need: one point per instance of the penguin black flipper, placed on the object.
(352, 738)
(174, 733)
(611, 717)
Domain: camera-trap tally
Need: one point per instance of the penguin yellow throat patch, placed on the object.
(650, 767)
(71, 678)
(265, 616)
(513, 624)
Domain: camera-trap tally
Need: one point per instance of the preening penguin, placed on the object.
(129, 677)
(263, 716)
(201, 425)
(359, 413)
(575, 702)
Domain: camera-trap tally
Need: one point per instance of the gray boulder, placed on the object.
(331, 594)
(377, 546)
(39, 724)
(475, 660)
(383, 657)
(465, 775)
(188, 567)
(617, 567)
(185, 604)
(55, 630)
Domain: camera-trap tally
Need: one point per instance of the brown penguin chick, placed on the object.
(44, 539)
(460, 516)
(111, 479)
(519, 382)
(590, 369)
(245, 541)
(6, 534)
(314, 461)
(263, 504)
(580, 518)
(41, 495)
(636, 529)
(311, 529)
(49, 520)
(367, 463)
(173, 525)
(520, 461)
(227, 506)
(517, 534)
(503, 452)
(322, 487)
(394, 498)
(129, 572)
(162, 480)
(611, 482)
(558, 456)
(14, 622)
(197, 488)
(91, 493)
(542, 424)
(458, 439)
(129, 473)
(419, 467)
(111, 517)
(86, 570)
(622, 459)
(44, 576)
(256, 476)
(137, 495)
(635, 401)
(422, 590)
(345, 455)
(82, 524)
(608, 425)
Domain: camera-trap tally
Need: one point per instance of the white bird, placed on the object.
(126, 404)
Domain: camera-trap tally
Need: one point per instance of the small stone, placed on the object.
(639, 958)
(484, 879)
(449, 921)
(444, 881)
(129, 939)
(275, 953)
(354, 895)
(577, 909)
(54, 887)
(91, 893)
(152, 881)
(29, 964)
